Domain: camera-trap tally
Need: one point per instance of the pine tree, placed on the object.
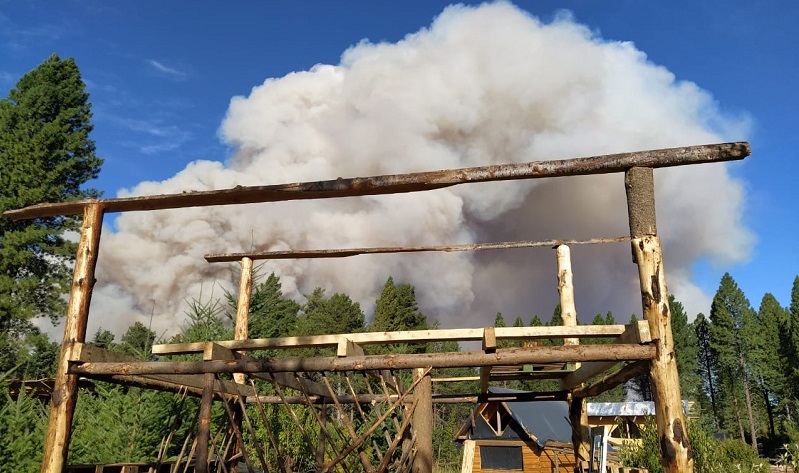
(767, 363)
(271, 314)
(45, 156)
(686, 350)
(396, 309)
(732, 319)
(706, 364)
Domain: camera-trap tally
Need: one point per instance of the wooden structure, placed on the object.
(533, 437)
(647, 347)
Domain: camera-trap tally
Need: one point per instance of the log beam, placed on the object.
(65, 389)
(676, 455)
(506, 356)
(400, 183)
(241, 329)
(610, 381)
(422, 422)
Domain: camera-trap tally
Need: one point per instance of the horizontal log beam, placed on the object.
(408, 336)
(634, 333)
(609, 382)
(346, 252)
(399, 183)
(437, 398)
(510, 356)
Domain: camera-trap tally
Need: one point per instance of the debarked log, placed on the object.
(510, 356)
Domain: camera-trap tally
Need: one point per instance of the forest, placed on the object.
(737, 363)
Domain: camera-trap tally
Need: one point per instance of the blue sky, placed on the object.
(161, 76)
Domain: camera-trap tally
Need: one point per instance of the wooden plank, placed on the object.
(65, 390)
(518, 356)
(399, 183)
(347, 348)
(407, 336)
(489, 346)
(634, 333)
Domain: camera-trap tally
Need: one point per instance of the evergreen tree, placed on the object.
(45, 155)
(731, 332)
(137, 341)
(767, 364)
(789, 351)
(686, 350)
(271, 314)
(338, 314)
(706, 364)
(397, 309)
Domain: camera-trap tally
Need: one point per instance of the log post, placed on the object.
(204, 424)
(675, 451)
(423, 422)
(240, 332)
(65, 389)
(578, 415)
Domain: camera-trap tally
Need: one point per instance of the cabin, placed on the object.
(536, 437)
(504, 436)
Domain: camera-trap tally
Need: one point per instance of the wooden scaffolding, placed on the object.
(385, 424)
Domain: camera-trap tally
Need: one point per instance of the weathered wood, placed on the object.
(399, 183)
(240, 330)
(467, 463)
(437, 398)
(676, 455)
(346, 252)
(639, 183)
(422, 422)
(287, 380)
(610, 381)
(65, 389)
(507, 356)
(407, 336)
(578, 417)
(566, 291)
(638, 333)
(374, 426)
(489, 346)
(204, 425)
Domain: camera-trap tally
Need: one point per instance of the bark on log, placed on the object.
(675, 451)
(422, 423)
(240, 331)
(65, 390)
(399, 183)
(509, 356)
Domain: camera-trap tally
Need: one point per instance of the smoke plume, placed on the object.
(480, 86)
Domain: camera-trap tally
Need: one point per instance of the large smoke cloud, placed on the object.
(482, 85)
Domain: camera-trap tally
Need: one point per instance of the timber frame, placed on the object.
(406, 408)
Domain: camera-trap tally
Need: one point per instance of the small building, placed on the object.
(517, 436)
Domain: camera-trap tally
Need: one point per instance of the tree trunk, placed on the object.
(748, 399)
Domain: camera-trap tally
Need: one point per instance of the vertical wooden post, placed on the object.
(65, 389)
(578, 415)
(423, 422)
(675, 451)
(240, 332)
(204, 424)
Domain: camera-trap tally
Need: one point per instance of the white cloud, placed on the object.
(481, 86)
(168, 71)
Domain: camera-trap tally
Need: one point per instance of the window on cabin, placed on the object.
(501, 458)
(498, 419)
